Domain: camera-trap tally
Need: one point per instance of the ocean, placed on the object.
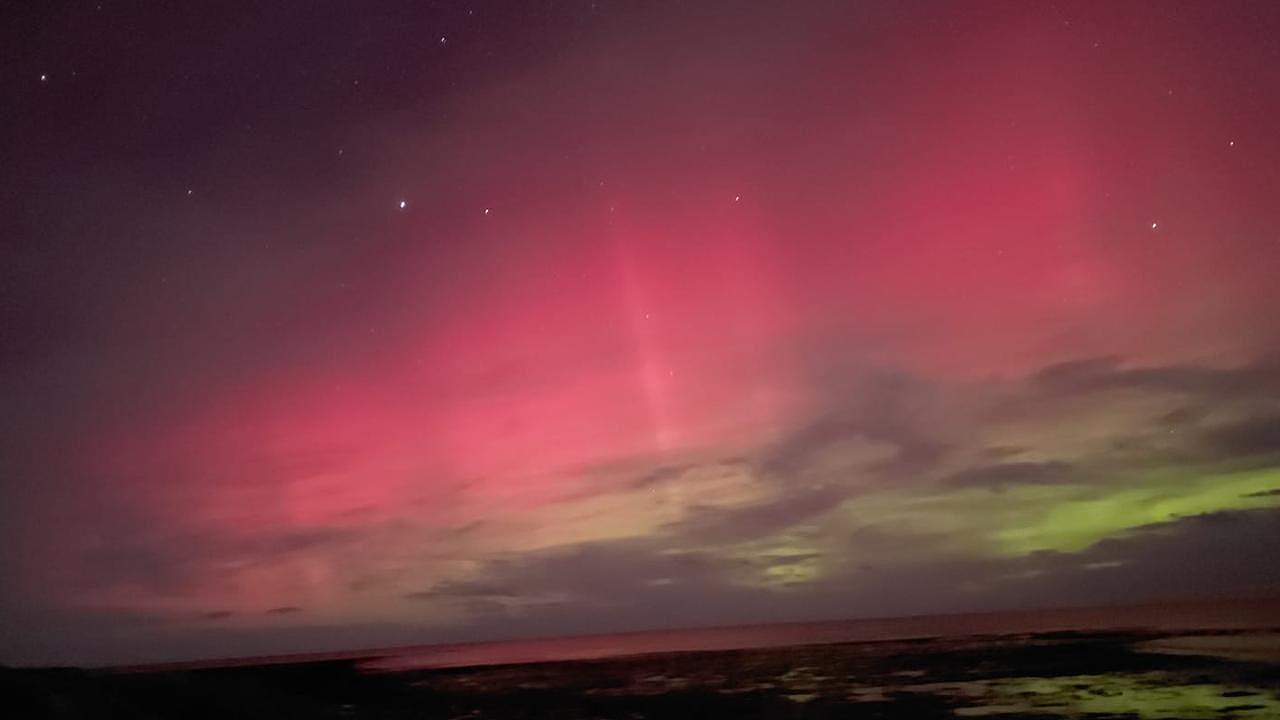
(1202, 615)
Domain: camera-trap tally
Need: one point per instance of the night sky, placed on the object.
(333, 325)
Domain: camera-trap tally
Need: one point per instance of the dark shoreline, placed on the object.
(1044, 675)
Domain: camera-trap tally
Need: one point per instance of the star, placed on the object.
(1231, 143)
(486, 211)
(443, 39)
(737, 198)
(189, 191)
(44, 78)
(1155, 226)
(403, 204)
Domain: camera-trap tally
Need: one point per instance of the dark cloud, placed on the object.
(286, 610)
(794, 456)
(1000, 453)
(672, 475)
(1206, 555)
(890, 407)
(612, 572)
(601, 587)
(178, 563)
(607, 584)
(1258, 436)
(466, 589)
(1220, 416)
(1191, 379)
(1106, 373)
(1189, 415)
(718, 525)
(1210, 554)
(643, 585)
(218, 615)
(1077, 374)
(997, 477)
(661, 475)
(1219, 554)
(1274, 492)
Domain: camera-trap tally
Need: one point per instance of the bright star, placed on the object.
(1155, 226)
(44, 78)
(402, 204)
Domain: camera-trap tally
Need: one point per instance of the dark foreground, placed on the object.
(1071, 675)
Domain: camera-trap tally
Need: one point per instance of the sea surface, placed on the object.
(1232, 614)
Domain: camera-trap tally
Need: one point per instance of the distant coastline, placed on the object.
(1216, 614)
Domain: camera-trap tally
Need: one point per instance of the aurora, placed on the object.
(323, 332)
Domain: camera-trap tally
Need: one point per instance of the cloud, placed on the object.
(869, 502)
(1108, 373)
(285, 610)
(601, 586)
(997, 477)
(582, 570)
(891, 410)
(1221, 553)
(638, 584)
(1075, 375)
(663, 474)
(176, 564)
(877, 432)
(1248, 438)
(466, 589)
(719, 525)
